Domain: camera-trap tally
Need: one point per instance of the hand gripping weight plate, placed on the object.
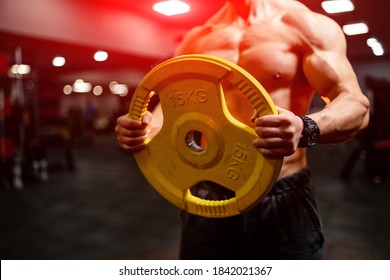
(192, 101)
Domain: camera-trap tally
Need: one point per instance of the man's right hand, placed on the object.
(131, 134)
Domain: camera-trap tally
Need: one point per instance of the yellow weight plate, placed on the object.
(193, 104)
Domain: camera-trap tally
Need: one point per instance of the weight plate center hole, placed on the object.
(209, 190)
(196, 141)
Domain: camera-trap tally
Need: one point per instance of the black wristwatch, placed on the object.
(310, 133)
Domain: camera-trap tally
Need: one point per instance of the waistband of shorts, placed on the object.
(296, 180)
(299, 180)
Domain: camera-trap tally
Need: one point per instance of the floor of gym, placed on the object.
(104, 209)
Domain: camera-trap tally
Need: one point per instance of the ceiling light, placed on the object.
(97, 90)
(120, 89)
(67, 89)
(59, 61)
(372, 42)
(113, 85)
(378, 50)
(376, 46)
(355, 28)
(100, 56)
(171, 7)
(337, 6)
(19, 70)
(81, 86)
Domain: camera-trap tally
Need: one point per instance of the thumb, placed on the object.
(254, 116)
(147, 119)
(282, 111)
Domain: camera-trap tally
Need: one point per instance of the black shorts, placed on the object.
(284, 225)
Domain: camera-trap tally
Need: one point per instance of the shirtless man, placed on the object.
(293, 53)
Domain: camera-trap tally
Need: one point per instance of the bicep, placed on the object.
(325, 61)
(324, 49)
(329, 73)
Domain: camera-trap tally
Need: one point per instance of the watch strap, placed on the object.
(310, 133)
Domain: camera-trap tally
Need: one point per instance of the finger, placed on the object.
(256, 116)
(269, 143)
(270, 120)
(274, 145)
(131, 141)
(128, 123)
(124, 132)
(132, 148)
(275, 132)
(276, 153)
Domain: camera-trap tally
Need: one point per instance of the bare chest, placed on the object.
(267, 50)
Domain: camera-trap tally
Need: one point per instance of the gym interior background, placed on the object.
(68, 69)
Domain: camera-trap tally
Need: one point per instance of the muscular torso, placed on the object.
(270, 50)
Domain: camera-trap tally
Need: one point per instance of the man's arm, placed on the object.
(328, 70)
(330, 74)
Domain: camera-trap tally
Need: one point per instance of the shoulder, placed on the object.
(316, 30)
(191, 39)
(223, 17)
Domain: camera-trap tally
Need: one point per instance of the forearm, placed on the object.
(342, 119)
